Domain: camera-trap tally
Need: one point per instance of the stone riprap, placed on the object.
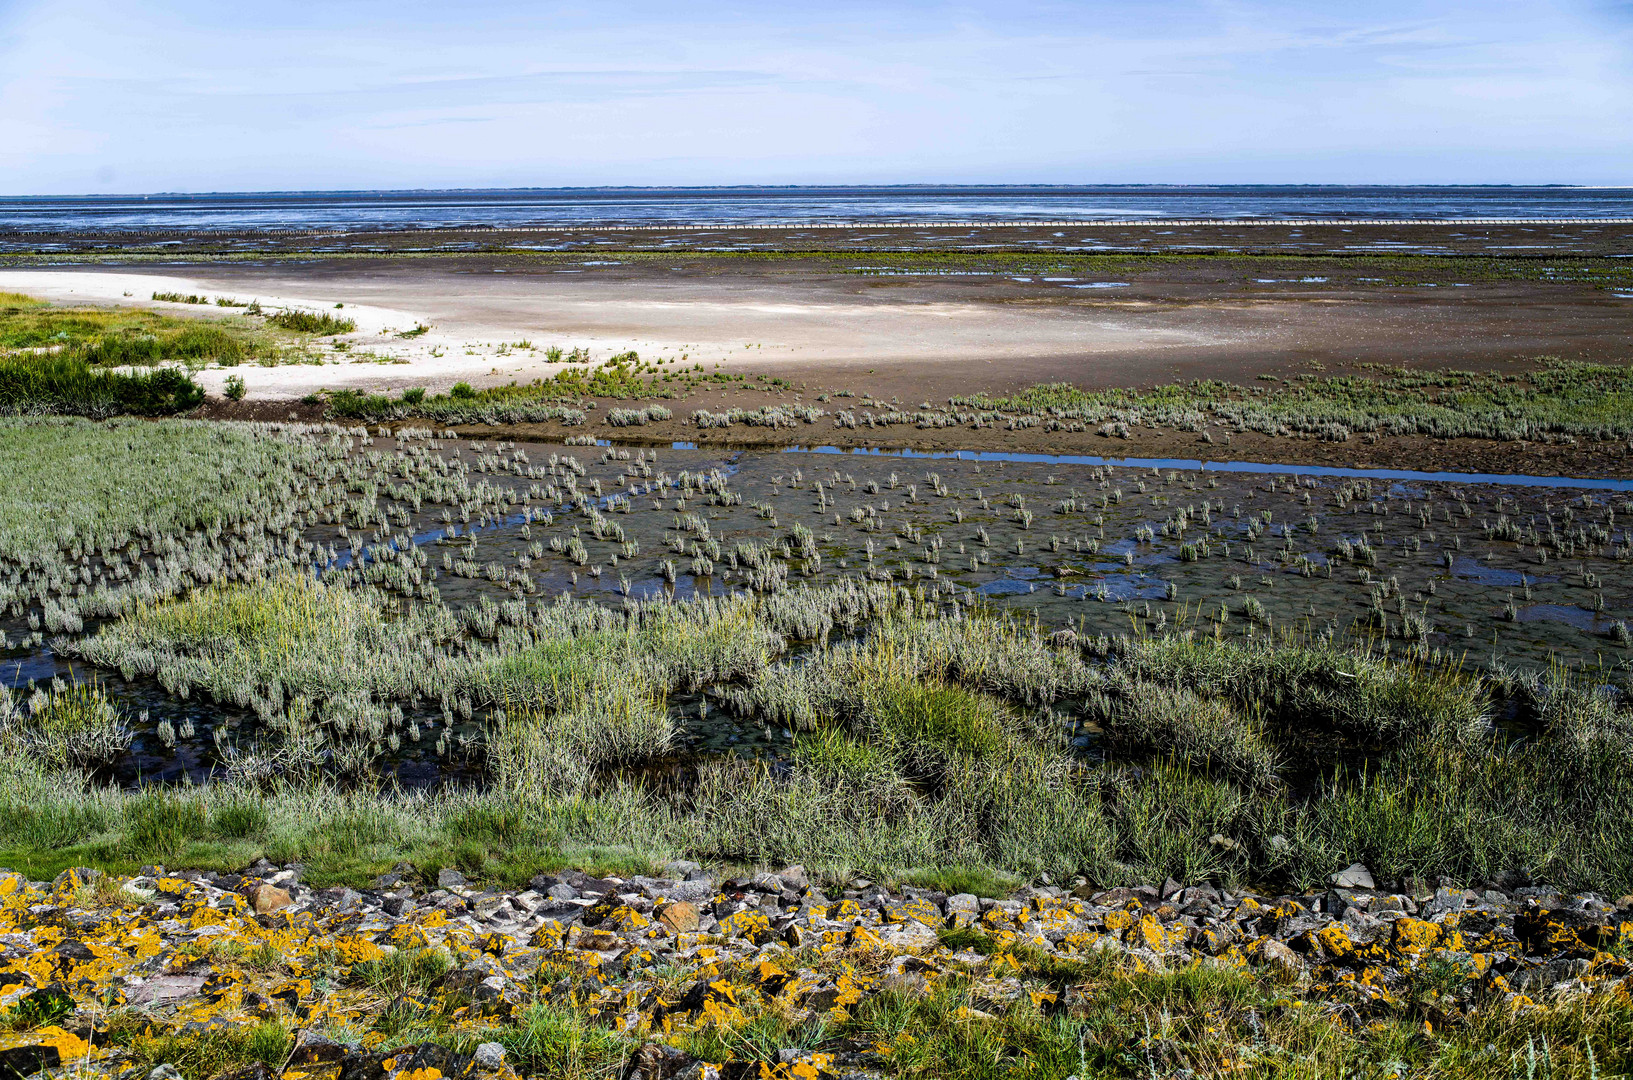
(95, 961)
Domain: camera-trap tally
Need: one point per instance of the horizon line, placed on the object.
(1157, 186)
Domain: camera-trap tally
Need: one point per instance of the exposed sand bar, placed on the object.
(473, 316)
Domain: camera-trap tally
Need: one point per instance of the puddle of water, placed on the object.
(1006, 587)
(41, 664)
(1470, 570)
(1581, 618)
(1100, 285)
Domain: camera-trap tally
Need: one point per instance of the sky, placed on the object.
(182, 95)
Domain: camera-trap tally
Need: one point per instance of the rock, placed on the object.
(695, 891)
(1281, 958)
(449, 878)
(681, 868)
(1355, 876)
(255, 1071)
(794, 877)
(490, 1055)
(908, 935)
(76, 876)
(770, 883)
(1394, 902)
(340, 900)
(657, 1061)
(420, 1062)
(163, 1072)
(20, 1061)
(962, 910)
(1280, 844)
(1223, 842)
(1203, 893)
(1447, 900)
(266, 899)
(1361, 923)
(164, 988)
(1547, 976)
(679, 917)
(316, 1049)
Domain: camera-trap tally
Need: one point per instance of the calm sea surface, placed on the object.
(371, 210)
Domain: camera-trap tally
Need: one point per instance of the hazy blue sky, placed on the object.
(97, 95)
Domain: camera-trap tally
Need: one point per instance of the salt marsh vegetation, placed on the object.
(138, 337)
(801, 658)
(1559, 401)
(104, 362)
(322, 323)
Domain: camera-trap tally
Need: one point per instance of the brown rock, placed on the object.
(679, 917)
(266, 899)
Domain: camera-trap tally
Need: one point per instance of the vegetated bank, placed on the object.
(90, 361)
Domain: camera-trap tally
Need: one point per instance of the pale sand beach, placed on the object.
(476, 321)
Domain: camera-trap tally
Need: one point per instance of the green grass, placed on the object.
(320, 323)
(920, 746)
(407, 971)
(901, 769)
(205, 1053)
(69, 385)
(129, 336)
(551, 1041)
(954, 880)
(559, 398)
